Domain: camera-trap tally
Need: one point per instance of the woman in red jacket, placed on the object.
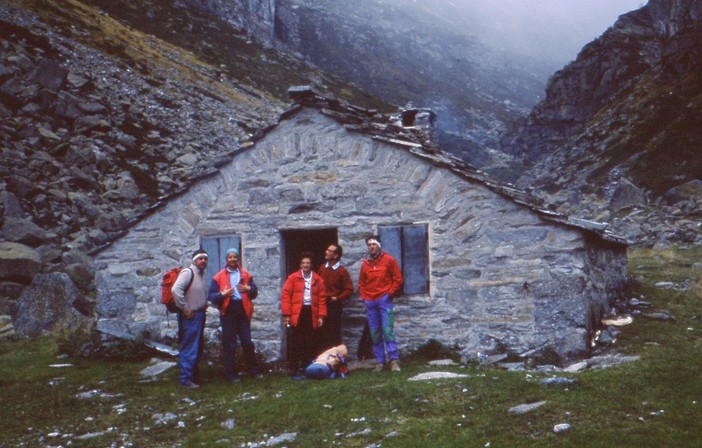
(304, 307)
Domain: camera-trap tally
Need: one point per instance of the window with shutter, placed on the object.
(409, 245)
(216, 247)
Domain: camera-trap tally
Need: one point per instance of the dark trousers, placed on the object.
(331, 330)
(236, 324)
(301, 348)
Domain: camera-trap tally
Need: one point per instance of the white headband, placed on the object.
(373, 241)
(200, 256)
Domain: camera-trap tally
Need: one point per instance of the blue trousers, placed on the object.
(317, 371)
(191, 346)
(236, 324)
(381, 323)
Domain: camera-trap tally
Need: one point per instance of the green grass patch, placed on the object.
(655, 401)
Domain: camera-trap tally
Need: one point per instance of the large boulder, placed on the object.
(80, 268)
(23, 230)
(9, 294)
(18, 263)
(683, 193)
(51, 303)
(11, 205)
(49, 74)
(627, 195)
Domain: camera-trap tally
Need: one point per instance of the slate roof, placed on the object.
(386, 128)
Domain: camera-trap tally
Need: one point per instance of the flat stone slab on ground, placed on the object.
(437, 376)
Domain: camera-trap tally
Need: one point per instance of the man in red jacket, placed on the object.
(339, 287)
(379, 282)
(303, 305)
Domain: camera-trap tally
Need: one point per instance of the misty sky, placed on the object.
(552, 29)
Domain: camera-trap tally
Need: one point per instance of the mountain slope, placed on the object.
(625, 112)
(403, 52)
(108, 108)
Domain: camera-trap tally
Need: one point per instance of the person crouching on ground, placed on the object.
(329, 365)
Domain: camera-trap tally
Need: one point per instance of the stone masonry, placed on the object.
(502, 276)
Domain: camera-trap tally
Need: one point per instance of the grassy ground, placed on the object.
(656, 401)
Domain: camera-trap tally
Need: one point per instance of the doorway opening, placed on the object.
(295, 242)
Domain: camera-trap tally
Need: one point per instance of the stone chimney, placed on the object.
(422, 121)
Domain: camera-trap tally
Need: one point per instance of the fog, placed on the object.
(559, 28)
(551, 31)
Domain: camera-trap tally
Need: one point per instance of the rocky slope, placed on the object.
(617, 135)
(106, 112)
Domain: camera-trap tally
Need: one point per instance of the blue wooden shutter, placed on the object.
(415, 259)
(216, 247)
(391, 241)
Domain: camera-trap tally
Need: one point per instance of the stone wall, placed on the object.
(501, 278)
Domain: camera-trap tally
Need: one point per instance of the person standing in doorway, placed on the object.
(338, 287)
(379, 281)
(232, 290)
(192, 303)
(303, 306)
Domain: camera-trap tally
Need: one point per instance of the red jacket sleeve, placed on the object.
(286, 297)
(322, 298)
(397, 279)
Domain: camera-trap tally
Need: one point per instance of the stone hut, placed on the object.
(487, 268)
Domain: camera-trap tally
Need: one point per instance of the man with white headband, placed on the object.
(379, 282)
(190, 294)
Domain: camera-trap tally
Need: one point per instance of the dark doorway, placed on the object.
(295, 242)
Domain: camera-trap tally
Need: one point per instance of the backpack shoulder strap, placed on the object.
(192, 277)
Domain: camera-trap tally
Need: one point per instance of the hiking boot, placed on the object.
(189, 385)
(379, 367)
(258, 376)
(395, 365)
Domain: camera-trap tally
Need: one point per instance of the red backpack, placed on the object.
(167, 282)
